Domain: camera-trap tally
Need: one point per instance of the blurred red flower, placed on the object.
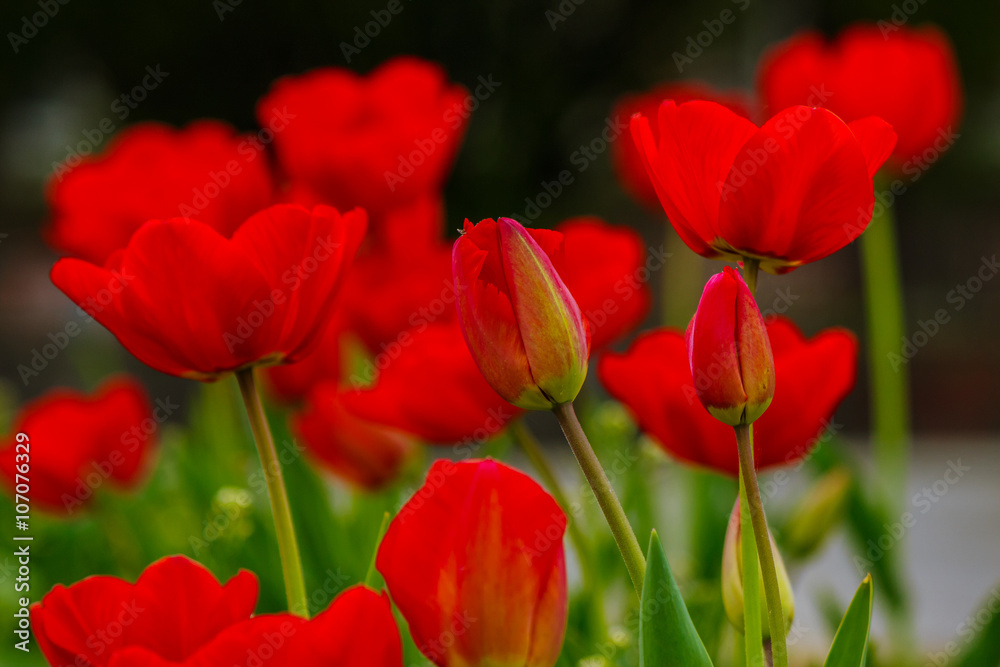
(475, 563)
(377, 141)
(604, 267)
(151, 171)
(626, 158)
(177, 614)
(812, 376)
(788, 193)
(433, 389)
(189, 302)
(76, 443)
(907, 76)
(367, 453)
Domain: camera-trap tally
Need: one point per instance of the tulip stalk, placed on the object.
(631, 552)
(775, 619)
(889, 396)
(288, 548)
(533, 450)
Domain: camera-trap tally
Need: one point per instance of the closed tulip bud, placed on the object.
(732, 579)
(817, 514)
(729, 351)
(522, 325)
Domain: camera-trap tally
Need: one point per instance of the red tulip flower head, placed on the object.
(812, 376)
(375, 141)
(475, 563)
(521, 323)
(605, 269)
(367, 453)
(907, 76)
(625, 156)
(787, 193)
(190, 302)
(178, 615)
(434, 390)
(153, 172)
(729, 351)
(70, 444)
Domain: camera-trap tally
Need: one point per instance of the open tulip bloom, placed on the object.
(386, 340)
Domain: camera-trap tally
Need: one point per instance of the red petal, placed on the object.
(877, 140)
(795, 189)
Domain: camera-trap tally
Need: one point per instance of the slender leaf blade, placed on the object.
(850, 645)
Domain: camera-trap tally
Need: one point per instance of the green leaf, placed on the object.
(666, 634)
(850, 645)
(984, 651)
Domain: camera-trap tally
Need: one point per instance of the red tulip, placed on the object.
(790, 192)
(74, 443)
(178, 615)
(175, 609)
(434, 390)
(907, 76)
(625, 157)
(475, 563)
(389, 289)
(365, 452)
(376, 141)
(152, 171)
(605, 270)
(729, 352)
(812, 376)
(189, 302)
(522, 325)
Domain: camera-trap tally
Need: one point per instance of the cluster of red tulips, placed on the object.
(312, 255)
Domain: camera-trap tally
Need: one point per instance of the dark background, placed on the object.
(557, 87)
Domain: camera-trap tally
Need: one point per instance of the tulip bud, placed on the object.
(729, 351)
(732, 579)
(522, 326)
(816, 514)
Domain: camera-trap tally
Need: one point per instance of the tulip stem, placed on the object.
(751, 267)
(533, 450)
(288, 548)
(752, 634)
(605, 494)
(886, 324)
(776, 622)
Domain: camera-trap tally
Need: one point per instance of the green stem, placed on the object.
(750, 269)
(631, 552)
(288, 548)
(372, 575)
(776, 622)
(889, 386)
(752, 633)
(533, 450)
